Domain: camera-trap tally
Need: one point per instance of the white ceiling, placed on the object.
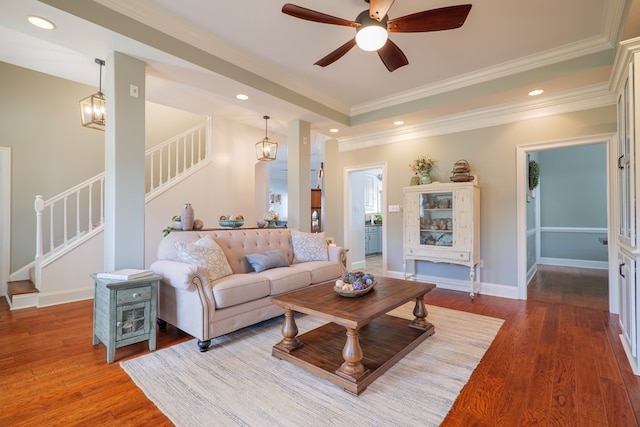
(504, 49)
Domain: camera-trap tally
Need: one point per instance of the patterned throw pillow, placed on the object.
(205, 253)
(309, 246)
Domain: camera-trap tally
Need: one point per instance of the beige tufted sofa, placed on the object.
(204, 309)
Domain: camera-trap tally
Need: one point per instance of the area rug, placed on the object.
(238, 383)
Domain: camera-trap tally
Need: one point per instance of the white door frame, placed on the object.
(521, 208)
(346, 191)
(5, 217)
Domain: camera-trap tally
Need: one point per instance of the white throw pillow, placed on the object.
(205, 253)
(309, 247)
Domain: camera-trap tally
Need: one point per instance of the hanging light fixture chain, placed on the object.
(101, 63)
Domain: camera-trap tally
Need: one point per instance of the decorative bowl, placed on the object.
(352, 294)
(232, 223)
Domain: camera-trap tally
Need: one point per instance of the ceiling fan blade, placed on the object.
(336, 54)
(392, 57)
(378, 8)
(312, 15)
(445, 18)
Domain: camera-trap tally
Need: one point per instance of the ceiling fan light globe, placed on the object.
(371, 37)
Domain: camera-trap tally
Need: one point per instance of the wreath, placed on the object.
(534, 174)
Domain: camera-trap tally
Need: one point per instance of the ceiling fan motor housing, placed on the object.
(370, 34)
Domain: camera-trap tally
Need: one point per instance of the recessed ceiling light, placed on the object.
(398, 122)
(536, 92)
(40, 22)
(334, 130)
(242, 97)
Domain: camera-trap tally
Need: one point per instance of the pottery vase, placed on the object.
(424, 177)
(415, 180)
(187, 216)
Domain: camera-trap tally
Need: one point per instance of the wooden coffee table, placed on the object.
(375, 341)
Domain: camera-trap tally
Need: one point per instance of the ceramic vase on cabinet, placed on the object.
(187, 216)
(415, 180)
(424, 177)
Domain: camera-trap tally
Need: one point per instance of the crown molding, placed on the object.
(623, 57)
(590, 97)
(526, 63)
(614, 17)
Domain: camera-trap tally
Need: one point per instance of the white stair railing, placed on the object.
(175, 157)
(67, 219)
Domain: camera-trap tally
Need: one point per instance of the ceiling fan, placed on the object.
(373, 25)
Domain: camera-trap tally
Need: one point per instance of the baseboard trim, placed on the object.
(580, 263)
(46, 299)
(493, 289)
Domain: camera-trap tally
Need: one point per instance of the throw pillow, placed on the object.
(309, 247)
(266, 260)
(205, 253)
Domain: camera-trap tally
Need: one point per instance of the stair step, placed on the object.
(20, 287)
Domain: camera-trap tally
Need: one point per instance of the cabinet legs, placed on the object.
(472, 277)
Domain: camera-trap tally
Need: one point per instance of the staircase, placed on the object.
(68, 220)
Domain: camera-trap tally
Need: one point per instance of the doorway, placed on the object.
(523, 235)
(5, 217)
(365, 199)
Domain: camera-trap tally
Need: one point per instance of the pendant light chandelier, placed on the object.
(266, 149)
(92, 108)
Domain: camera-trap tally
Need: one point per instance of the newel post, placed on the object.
(39, 207)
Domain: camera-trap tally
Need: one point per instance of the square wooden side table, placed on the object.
(124, 312)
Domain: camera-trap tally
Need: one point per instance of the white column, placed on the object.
(299, 175)
(124, 162)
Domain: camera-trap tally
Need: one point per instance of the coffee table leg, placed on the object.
(289, 331)
(352, 367)
(420, 311)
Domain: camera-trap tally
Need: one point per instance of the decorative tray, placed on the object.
(233, 223)
(352, 294)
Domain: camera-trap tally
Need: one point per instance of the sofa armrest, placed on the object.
(185, 297)
(338, 254)
(180, 275)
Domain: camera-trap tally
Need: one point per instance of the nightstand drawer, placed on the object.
(143, 293)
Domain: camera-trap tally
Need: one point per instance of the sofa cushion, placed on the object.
(309, 247)
(239, 288)
(207, 254)
(287, 279)
(267, 260)
(322, 271)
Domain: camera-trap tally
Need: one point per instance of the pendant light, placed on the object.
(92, 108)
(266, 149)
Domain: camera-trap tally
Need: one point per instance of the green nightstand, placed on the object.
(124, 312)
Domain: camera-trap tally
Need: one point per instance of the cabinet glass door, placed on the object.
(436, 219)
(626, 152)
(133, 320)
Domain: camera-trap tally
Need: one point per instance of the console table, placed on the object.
(124, 312)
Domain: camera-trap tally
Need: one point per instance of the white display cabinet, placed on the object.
(442, 225)
(626, 83)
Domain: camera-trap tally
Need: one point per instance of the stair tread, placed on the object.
(20, 287)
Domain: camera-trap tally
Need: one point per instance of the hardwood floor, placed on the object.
(551, 364)
(582, 287)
